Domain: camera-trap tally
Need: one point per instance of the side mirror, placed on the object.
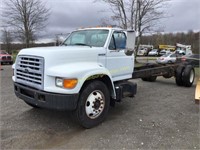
(130, 42)
(128, 52)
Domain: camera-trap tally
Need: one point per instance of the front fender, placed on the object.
(80, 71)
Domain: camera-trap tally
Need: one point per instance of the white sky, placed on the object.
(68, 15)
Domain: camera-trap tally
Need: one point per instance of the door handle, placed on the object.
(103, 54)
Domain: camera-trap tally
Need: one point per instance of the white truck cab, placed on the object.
(84, 75)
(183, 49)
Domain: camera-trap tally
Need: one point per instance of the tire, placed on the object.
(170, 62)
(93, 104)
(188, 76)
(178, 75)
(144, 79)
(34, 106)
(167, 76)
(150, 79)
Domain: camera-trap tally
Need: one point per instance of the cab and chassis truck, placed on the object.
(86, 74)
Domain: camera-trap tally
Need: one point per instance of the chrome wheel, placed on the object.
(191, 76)
(95, 104)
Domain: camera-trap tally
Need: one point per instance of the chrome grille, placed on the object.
(30, 71)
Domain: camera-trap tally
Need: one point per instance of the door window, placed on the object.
(118, 41)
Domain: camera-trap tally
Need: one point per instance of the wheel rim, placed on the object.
(95, 104)
(191, 76)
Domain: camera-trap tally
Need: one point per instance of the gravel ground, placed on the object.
(161, 116)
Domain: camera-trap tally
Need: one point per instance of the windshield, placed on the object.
(96, 38)
(166, 55)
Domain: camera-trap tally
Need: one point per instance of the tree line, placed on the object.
(190, 38)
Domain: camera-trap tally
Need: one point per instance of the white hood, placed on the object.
(65, 54)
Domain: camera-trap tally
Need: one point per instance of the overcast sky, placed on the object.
(68, 15)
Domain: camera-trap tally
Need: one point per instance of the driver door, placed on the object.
(118, 63)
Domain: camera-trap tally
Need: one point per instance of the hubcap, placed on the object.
(95, 104)
(191, 76)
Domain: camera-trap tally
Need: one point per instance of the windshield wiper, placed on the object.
(64, 44)
(82, 44)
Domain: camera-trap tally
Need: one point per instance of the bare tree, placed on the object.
(141, 15)
(148, 13)
(26, 17)
(7, 39)
(123, 12)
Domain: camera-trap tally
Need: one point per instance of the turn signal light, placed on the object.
(69, 83)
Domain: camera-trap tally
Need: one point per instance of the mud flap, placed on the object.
(197, 92)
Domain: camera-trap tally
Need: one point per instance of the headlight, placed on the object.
(66, 83)
(59, 82)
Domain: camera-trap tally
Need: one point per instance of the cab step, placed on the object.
(125, 89)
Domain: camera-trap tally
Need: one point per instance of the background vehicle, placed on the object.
(183, 49)
(5, 57)
(153, 52)
(193, 60)
(167, 58)
(163, 52)
(167, 47)
(144, 50)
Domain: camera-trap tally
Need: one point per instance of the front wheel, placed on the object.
(93, 104)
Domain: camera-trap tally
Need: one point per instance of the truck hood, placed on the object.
(65, 54)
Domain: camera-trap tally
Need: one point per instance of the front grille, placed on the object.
(6, 58)
(30, 71)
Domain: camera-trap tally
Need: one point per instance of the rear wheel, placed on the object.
(178, 75)
(188, 76)
(144, 79)
(167, 76)
(93, 105)
(150, 79)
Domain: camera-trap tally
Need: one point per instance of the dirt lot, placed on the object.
(161, 116)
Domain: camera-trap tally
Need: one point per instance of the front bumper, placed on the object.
(6, 61)
(45, 99)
